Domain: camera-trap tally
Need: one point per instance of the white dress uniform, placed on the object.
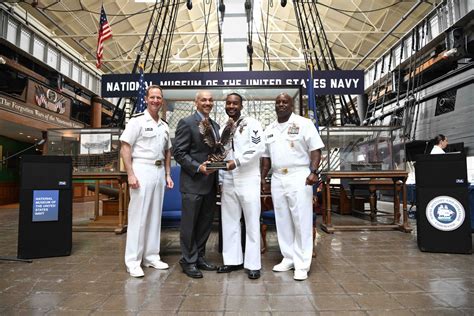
(241, 192)
(437, 150)
(148, 140)
(289, 145)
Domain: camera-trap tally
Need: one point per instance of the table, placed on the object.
(118, 225)
(373, 180)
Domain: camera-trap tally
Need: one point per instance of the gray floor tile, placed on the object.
(354, 273)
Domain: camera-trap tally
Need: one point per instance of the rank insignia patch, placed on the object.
(255, 139)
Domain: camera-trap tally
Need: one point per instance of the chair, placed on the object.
(171, 213)
(268, 216)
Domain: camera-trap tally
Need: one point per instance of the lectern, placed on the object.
(442, 203)
(45, 226)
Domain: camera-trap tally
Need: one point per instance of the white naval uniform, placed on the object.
(289, 145)
(148, 140)
(437, 150)
(241, 192)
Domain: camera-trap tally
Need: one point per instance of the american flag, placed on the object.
(140, 105)
(105, 32)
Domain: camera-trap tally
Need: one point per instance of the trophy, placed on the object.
(219, 149)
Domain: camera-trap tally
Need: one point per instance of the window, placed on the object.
(38, 48)
(12, 31)
(65, 66)
(25, 37)
(52, 58)
(446, 102)
(75, 72)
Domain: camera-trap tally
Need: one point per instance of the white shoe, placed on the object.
(282, 267)
(160, 265)
(136, 272)
(300, 275)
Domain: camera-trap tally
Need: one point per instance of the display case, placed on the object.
(359, 148)
(92, 150)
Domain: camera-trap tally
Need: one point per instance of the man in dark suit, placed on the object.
(197, 185)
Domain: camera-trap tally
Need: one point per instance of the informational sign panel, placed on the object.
(45, 205)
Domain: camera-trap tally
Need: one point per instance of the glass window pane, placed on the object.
(25, 37)
(91, 84)
(434, 26)
(84, 78)
(38, 48)
(75, 72)
(65, 66)
(12, 31)
(52, 58)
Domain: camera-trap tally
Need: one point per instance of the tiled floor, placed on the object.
(354, 273)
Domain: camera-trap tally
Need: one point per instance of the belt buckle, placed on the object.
(158, 163)
(284, 170)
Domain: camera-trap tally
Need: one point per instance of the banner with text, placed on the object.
(335, 82)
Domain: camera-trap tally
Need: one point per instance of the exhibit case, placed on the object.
(93, 150)
(362, 148)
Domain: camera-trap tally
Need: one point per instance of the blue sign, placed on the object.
(45, 205)
(335, 82)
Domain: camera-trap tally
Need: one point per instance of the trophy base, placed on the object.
(216, 165)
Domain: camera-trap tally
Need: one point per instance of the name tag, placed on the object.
(148, 129)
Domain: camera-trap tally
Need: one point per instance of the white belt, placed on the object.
(289, 170)
(158, 163)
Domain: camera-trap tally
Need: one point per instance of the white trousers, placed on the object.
(241, 194)
(292, 201)
(144, 216)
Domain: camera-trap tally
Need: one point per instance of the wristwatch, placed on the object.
(315, 171)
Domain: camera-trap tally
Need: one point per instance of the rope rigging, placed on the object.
(317, 51)
(205, 43)
(154, 50)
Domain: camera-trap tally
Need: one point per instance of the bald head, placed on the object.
(204, 102)
(283, 107)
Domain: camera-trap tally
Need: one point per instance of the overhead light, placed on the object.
(178, 61)
(28, 136)
(20, 133)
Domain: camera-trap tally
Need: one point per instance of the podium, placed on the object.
(442, 203)
(45, 225)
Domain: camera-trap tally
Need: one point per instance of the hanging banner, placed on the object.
(337, 82)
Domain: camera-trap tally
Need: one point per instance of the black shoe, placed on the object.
(254, 274)
(191, 270)
(229, 268)
(204, 265)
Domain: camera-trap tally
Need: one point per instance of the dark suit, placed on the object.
(198, 191)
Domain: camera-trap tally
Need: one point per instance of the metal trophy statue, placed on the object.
(219, 149)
